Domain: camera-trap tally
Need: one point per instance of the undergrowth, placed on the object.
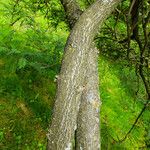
(30, 57)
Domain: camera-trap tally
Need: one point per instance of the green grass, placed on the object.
(120, 106)
(30, 57)
(29, 60)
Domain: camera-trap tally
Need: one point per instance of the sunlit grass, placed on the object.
(119, 109)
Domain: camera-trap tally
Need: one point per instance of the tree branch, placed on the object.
(135, 122)
(72, 10)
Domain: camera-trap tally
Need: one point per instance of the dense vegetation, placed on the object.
(32, 39)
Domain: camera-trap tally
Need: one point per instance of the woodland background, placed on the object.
(32, 39)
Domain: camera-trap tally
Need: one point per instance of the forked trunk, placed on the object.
(88, 125)
(71, 81)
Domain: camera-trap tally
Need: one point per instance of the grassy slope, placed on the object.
(120, 107)
(26, 96)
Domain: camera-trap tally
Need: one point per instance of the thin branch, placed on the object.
(135, 122)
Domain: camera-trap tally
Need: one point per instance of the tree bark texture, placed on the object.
(72, 10)
(88, 125)
(71, 81)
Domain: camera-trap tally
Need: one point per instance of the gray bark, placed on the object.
(88, 125)
(72, 10)
(71, 81)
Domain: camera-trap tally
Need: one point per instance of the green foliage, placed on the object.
(32, 38)
(85, 3)
(120, 107)
(30, 57)
(26, 12)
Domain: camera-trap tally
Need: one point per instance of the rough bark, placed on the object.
(72, 10)
(71, 79)
(88, 125)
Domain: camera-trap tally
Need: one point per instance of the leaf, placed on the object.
(22, 63)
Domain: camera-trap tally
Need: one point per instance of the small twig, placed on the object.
(135, 122)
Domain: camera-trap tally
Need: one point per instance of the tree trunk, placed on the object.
(71, 79)
(87, 137)
(88, 125)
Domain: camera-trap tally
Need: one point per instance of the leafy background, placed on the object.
(32, 39)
